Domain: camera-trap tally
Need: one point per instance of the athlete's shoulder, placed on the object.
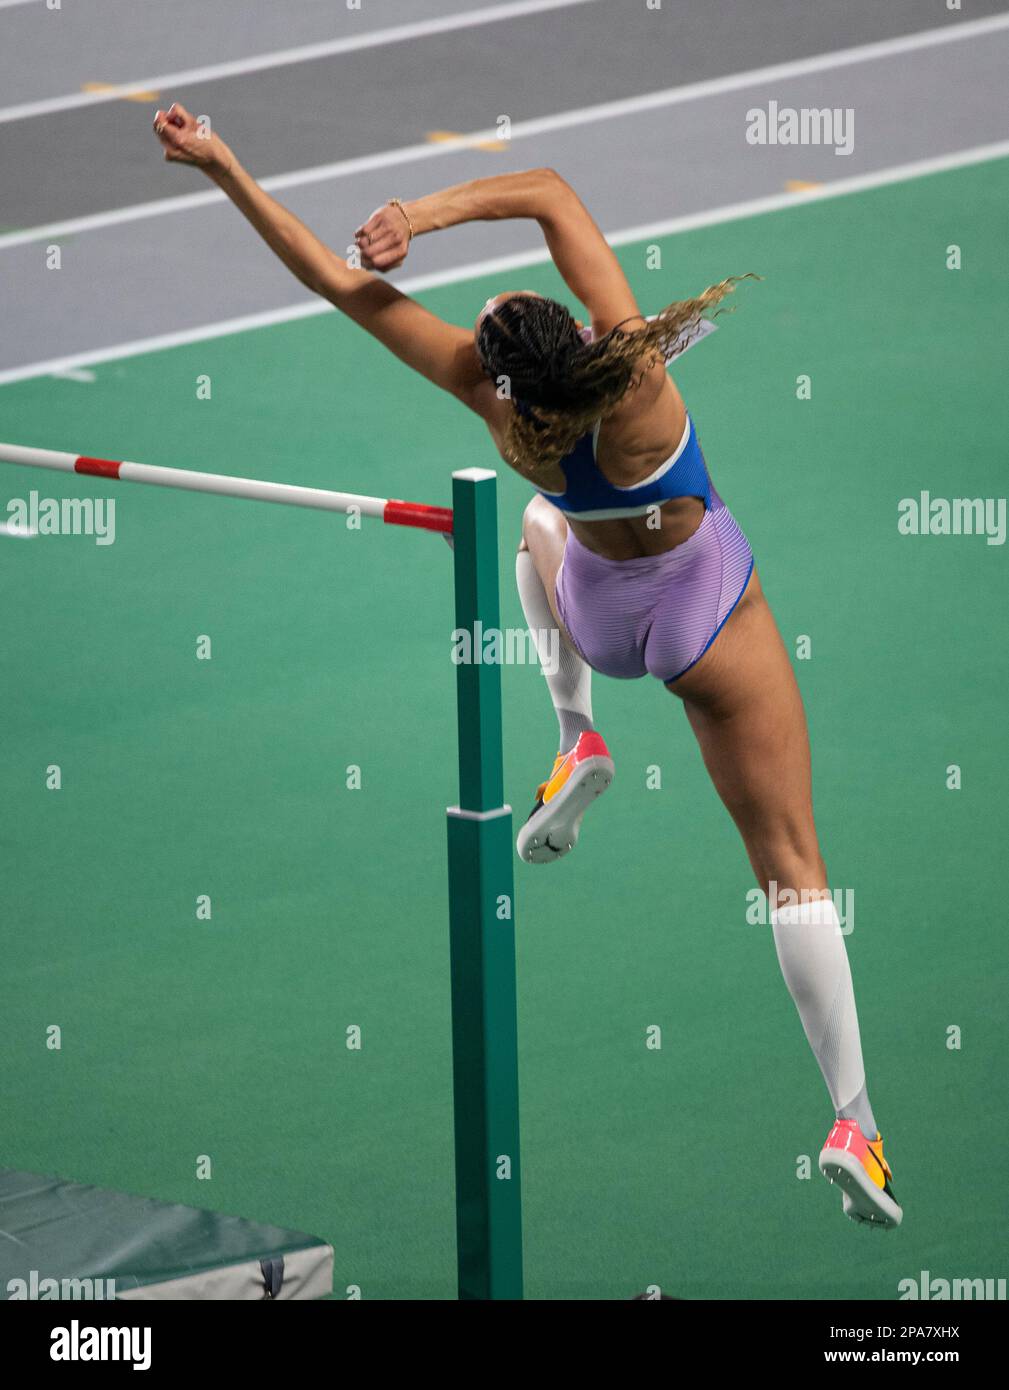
(648, 418)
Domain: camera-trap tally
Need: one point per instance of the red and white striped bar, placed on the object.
(393, 512)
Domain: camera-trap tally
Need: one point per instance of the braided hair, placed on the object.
(560, 385)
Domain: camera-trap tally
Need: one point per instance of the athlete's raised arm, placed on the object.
(440, 351)
(580, 251)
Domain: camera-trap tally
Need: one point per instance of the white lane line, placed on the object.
(732, 212)
(329, 48)
(9, 4)
(585, 115)
(159, 207)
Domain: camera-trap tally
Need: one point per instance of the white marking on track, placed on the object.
(732, 212)
(283, 57)
(561, 120)
(76, 374)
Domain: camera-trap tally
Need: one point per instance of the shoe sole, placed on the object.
(553, 831)
(863, 1200)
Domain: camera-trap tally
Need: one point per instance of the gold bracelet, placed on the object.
(396, 203)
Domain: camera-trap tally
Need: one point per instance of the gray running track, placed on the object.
(182, 269)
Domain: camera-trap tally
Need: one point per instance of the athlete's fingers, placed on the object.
(385, 223)
(177, 115)
(386, 263)
(383, 241)
(374, 259)
(168, 134)
(374, 223)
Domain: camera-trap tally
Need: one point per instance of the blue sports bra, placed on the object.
(589, 496)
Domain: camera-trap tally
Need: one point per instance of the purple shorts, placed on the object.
(656, 614)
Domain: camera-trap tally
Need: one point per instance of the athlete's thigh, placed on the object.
(743, 703)
(544, 533)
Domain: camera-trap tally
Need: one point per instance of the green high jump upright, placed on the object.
(482, 925)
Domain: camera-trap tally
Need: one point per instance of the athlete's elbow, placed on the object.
(552, 180)
(556, 196)
(329, 281)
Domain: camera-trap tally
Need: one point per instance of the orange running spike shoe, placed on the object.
(578, 777)
(858, 1167)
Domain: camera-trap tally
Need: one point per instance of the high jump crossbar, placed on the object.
(391, 511)
(480, 867)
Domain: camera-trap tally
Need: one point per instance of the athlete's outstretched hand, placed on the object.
(189, 140)
(384, 240)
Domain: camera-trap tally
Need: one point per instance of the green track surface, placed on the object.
(331, 648)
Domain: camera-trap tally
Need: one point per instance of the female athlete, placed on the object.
(627, 551)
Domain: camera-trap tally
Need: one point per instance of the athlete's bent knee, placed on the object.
(788, 868)
(540, 518)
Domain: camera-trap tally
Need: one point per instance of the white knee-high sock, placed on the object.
(568, 677)
(814, 962)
